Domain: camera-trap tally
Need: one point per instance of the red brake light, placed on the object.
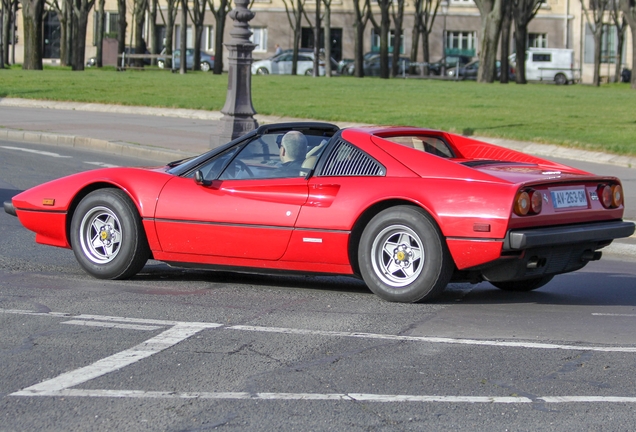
(536, 202)
(617, 196)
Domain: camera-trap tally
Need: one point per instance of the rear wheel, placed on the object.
(205, 66)
(560, 79)
(107, 235)
(309, 72)
(262, 71)
(403, 256)
(523, 285)
(161, 64)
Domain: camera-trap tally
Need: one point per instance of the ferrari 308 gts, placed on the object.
(406, 209)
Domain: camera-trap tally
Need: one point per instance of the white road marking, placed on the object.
(431, 339)
(180, 331)
(614, 314)
(43, 153)
(114, 362)
(112, 325)
(102, 164)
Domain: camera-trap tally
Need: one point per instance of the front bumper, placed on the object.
(564, 235)
(8, 208)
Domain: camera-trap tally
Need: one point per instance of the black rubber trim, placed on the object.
(8, 208)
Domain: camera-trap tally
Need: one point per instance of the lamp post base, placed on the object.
(230, 128)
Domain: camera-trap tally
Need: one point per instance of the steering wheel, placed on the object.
(242, 166)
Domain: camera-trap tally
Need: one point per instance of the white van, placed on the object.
(549, 64)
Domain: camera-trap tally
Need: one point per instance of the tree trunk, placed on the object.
(385, 25)
(79, 48)
(198, 32)
(628, 7)
(152, 29)
(32, 22)
(99, 37)
(360, 24)
(220, 16)
(121, 24)
(521, 35)
(316, 71)
(140, 18)
(170, 33)
(397, 24)
(297, 32)
(183, 64)
(327, 18)
(506, 23)
(598, 36)
(621, 31)
(491, 16)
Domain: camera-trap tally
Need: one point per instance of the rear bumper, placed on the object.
(565, 235)
(8, 208)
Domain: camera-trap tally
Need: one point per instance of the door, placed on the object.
(247, 211)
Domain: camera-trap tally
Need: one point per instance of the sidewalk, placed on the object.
(163, 135)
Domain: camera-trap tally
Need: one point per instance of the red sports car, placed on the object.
(406, 209)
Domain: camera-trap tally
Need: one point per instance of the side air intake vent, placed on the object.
(347, 160)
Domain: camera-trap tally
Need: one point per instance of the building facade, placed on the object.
(558, 24)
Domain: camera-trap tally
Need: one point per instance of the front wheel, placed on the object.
(523, 285)
(107, 235)
(403, 256)
(205, 66)
(309, 72)
(262, 71)
(161, 64)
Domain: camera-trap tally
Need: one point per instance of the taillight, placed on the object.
(605, 195)
(528, 202)
(617, 196)
(535, 202)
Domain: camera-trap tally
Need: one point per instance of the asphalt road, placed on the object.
(184, 350)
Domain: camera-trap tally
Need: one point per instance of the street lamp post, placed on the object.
(444, 13)
(238, 112)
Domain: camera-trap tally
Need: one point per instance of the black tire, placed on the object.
(309, 72)
(560, 79)
(403, 256)
(523, 285)
(161, 64)
(107, 235)
(205, 66)
(262, 71)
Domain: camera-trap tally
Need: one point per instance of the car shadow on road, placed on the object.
(7, 194)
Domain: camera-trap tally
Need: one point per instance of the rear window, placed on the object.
(432, 145)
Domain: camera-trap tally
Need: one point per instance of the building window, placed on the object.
(177, 37)
(208, 36)
(461, 43)
(375, 41)
(462, 2)
(111, 24)
(608, 44)
(259, 38)
(537, 40)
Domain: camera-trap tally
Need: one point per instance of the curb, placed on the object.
(158, 154)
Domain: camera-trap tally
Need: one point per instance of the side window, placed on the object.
(257, 160)
(541, 57)
(347, 160)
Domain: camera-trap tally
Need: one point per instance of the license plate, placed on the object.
(569, 198)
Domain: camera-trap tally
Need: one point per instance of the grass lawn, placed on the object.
(576, 115)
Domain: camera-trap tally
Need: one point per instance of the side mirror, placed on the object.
(200, 180)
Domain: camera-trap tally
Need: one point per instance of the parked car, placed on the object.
(207, 60)
(405, 209)
(372, 66)
(469, 71)
(548, 64)
(448, 62)
(282, 64)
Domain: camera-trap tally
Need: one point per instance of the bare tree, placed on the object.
(506, 23)
(171, 11)
(197, 15)
(423, 20)
(383, 28)
(316, 71)
(295, 10)
(220, 16)
(491, 12)
(153, 8)
(2, 36)
(628, 7)
(595, 21)
(363, 14)
(7, 7)
(398, 19)
(621, 29)
(32, 11)
(99, 30)
(62, 10)
(140, 7)
(523, 11)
